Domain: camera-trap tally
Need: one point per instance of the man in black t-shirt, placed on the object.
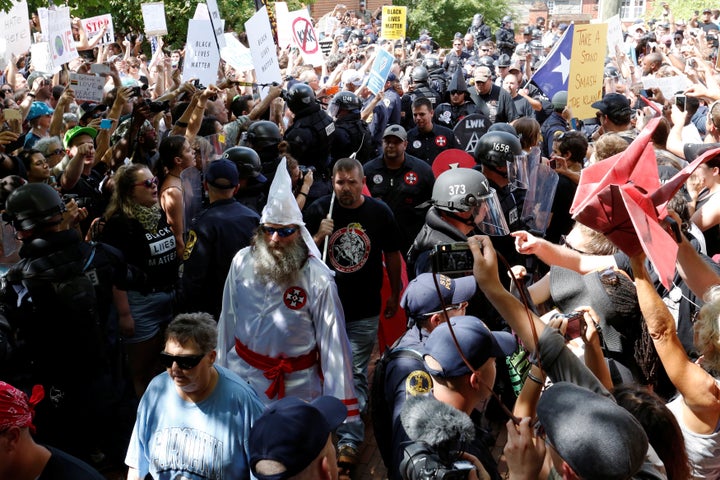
(359, 230)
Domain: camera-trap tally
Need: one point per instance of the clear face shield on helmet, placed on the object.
(487, 214)
(333, 110)
(518, 172)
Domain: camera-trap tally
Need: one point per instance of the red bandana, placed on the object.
(15, 408)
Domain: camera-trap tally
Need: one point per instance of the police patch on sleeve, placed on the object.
(418, 382)
(191, 241)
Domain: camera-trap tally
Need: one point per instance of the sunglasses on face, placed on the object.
(148, 183)
(283, 232)
(185, 362)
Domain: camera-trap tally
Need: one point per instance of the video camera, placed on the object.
(422, 462)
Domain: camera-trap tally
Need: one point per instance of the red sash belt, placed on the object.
(275, 368)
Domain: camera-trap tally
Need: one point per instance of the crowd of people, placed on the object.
(195, 277)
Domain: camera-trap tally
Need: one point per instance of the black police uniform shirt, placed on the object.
(310, 137)
(215, 236)
(402, 189)
(428, 145)
(392, 104)
(355, 249)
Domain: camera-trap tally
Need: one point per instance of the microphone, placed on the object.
(442, 427)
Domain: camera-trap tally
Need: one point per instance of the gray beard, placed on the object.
(279, 266)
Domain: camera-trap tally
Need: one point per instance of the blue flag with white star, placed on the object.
(552, 76)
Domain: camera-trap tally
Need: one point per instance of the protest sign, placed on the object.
(236, 54)
(154, 18)
(87, 87)
(379, 71)
(16, 29)
(60, 38)
(669, 86)
(614, 35)
(262, 49)
(305, 37)
(587, 64)
(217, 22)
(282, 16)
(394, 22)
(93, 27)
(201, 54)
(40, 58)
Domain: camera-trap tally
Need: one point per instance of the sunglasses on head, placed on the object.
(282, 232)
(148, 183)
(185, 362)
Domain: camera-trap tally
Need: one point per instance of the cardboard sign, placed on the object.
(379, 71)
(263, 50)
(87, 87)
(60, 38)
(394, 22)
(614, 35)
(16, 29)
(154, 18)
(587, 65)
(93, 26)
(236, 54)
(305, 37)
(201, 54)
(282, 17)
(40, 58)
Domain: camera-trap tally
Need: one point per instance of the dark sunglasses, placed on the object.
(564, 243)
(185, 362)
(283, 232)
(456, 92)
(148, 183)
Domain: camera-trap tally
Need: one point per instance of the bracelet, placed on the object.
(535, 379)
(181, 124)
(303, 194)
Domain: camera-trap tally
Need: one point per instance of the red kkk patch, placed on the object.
(440, 141)
(411, 178)
(295, 298)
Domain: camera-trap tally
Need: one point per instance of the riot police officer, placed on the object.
(264, 137)
(479, 29)
(312, 132)
(505, 36)
(252, 184)
(352, 135)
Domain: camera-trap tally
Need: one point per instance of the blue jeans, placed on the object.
(362, 334)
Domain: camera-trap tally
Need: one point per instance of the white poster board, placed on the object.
(16, 29)
(217, 22)
(93, 26)
(263, 50)
(201, 54)
(154, 18)
(282, 18)
(305, 37)
(41, 62)
(60, 38)
(87, 87)
(614, 35)
(236, 54)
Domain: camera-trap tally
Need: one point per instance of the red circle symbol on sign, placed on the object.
(305, 35)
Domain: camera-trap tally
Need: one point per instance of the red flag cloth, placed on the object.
(15, 408)
(622, 197)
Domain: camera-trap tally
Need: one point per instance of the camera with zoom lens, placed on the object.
(422, 462)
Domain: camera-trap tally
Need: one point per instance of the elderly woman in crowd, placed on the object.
(194, 420)
(134, 223)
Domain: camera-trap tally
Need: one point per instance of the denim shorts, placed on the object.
(150, 312)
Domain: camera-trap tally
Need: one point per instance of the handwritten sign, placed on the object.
(16, 29)
(217, 23)
(40, 58)
(394, 22)
(587, 64)
(60, 38)
(669, 86)
(282, 16)
(262, 49)
(87, 87)
(154, 18)
(93, 26)
(236, 54)
(201, 54)
(615, 35)
(305, 37)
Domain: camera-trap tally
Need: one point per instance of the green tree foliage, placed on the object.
(443, 18)
(680, 9)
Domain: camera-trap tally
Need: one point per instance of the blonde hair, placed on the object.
(124, 182)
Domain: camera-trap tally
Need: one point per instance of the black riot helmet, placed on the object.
(263, 134)
(460, 190)
(33, 205)
(506, 20)
(343, 101)
(419, 74)
(299, 97)
(497, 148)
(246, 160)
